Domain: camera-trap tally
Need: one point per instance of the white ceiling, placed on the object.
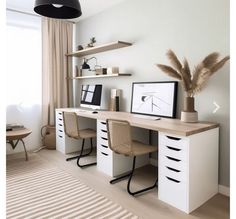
(89, 7)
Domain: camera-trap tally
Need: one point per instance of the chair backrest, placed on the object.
(71, 125)
(119, 136)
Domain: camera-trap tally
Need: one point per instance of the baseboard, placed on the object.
(153, 162)
(224, 190)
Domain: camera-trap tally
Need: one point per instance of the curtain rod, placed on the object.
(29, 13)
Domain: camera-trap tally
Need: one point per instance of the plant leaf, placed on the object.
(186, 80)
(174, 60)
(187, 69)
(196, 73)
(202, 79)
(169, 71)
(219, 65)
(210, 60)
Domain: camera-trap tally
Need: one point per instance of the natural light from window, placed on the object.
(24, 64)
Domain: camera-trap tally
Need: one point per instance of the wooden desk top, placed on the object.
(17, 134)
(171, 126)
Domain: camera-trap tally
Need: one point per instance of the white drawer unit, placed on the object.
(188, 169)
(111, 163)
(64, 144)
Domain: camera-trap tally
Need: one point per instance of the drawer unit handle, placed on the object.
(104, 146)
(60, 119)
(60, 113)
(104, 154)
(173, 138)
(174, 149)
(60, 124)
(170, 168)
(174, 159)
(171, 179)
(104, 130)
(60, 130)
(104, 123)
(104, 138)
(60, 136)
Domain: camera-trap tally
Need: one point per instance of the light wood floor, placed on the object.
(147, 205)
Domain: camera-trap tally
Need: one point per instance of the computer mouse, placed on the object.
(94, 112)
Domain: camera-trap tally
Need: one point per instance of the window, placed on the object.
(24, 77)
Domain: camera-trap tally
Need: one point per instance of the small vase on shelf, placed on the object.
(189, 114)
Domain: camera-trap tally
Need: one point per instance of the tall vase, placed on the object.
(189, 114)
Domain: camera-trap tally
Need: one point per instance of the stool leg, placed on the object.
(26, 155)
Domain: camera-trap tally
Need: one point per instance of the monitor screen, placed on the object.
(91, 96)
(154, 98)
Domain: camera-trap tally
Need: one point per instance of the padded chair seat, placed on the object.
(84, 133)
(138, 148)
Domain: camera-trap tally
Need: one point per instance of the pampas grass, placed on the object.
(193, 82)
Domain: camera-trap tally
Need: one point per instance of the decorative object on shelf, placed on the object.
(85, 64)
(58, 8)
(79, 47)
(115, 100)
(92, 41)
(192, 82)
(113, 70)
(101, 71)
(76, 71)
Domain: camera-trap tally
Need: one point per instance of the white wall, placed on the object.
(192, 29)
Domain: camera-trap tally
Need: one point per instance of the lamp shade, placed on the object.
(62, 9)
(85, 66)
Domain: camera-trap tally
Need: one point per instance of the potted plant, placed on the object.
(192, 82)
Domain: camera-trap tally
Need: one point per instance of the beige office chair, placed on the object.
(119, 138)
(71, 128)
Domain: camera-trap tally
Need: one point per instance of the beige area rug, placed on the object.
(36, 189)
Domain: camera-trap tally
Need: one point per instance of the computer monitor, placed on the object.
(154, 98)
(91, 96)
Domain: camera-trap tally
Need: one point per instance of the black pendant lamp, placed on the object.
(61, 9)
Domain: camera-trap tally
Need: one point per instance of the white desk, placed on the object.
(188, 155)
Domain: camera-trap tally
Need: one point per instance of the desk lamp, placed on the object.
(85, 64)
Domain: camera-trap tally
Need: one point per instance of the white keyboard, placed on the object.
(146, 117)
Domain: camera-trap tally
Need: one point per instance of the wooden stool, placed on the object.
(18, 135)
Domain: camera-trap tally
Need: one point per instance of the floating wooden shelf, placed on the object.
(97, 49)
(101, 76)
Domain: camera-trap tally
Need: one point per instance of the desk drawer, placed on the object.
(102, 133)
(101, 125)
(173, 192)
(60, 132)
(102, 141)
(59, 115)
(104, 162)
(173, 141)
(174, 173)
(104, 148)
(179, 153)
(178, 164)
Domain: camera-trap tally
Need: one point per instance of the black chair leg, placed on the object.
(84, 155)
(81, 152)
(130, 175)
(142, 190)
(119, 178)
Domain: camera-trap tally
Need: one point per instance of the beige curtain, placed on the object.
(57, 89)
